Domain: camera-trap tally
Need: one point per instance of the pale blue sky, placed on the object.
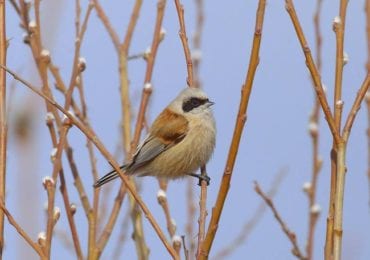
(275, 135)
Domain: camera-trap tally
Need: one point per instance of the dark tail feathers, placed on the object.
(108, 177)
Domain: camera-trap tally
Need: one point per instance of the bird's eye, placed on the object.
(195, 102)
(192, 103)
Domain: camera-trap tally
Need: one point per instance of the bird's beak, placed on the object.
(210, 103)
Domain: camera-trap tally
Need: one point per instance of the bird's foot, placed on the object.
(201, 177)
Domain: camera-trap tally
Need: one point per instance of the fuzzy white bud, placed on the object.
(324, 88)
(176, 239)
(339, 103)
(345, 58)
(47, 180)
(32, 25)
(367, 96)
(147, 53)
(45, 53)
(162, 34)
(148, 86)
(81, 64)
(73, 208)
(173, 223)
(49, 116)
(56, 214)
(313, 128)
(161, 194)
(41, 235)
(337, 20)
(315, 209)
(53, 154)
(196, 54)
(307, 186)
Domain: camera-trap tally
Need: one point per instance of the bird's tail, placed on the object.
(108, 177)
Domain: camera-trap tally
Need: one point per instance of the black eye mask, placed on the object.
(192, 103)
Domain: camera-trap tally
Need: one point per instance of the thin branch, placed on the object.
(249, 226)
(108, 26)
(21, 232)
(355, 108)
(291, 235)
(313, 70)
(314, 132)
(238, 130)
(202, 210)
(162, 200)
(3, 120)
(93, 137)
(185, 45)
(367, 13)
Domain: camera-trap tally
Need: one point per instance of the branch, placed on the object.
(355, 108)
(238, 130)
(3, 120)
(21, 232)
(313, 70)
(291, 235)
(184, 40)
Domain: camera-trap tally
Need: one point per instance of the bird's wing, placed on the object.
(167, 130)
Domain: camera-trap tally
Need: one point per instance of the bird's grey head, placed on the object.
(191, 101)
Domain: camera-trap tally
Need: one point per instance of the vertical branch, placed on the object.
(197, 37)
(238, 130)
(338, 27)
(3, 121)
(314, 132)
(367, 13)
(202, 211)
(184, 40)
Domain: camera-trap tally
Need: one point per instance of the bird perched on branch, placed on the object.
(180, 140)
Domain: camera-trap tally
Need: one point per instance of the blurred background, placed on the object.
(275, 137)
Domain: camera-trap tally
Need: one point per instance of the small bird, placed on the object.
(180, 140)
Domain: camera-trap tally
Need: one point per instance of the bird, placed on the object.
(181, 140)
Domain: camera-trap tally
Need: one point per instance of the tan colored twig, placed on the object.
(163, 202)
(238, 130)
(191, 210)
(185, 45)
(93, 137)
(249, 226)
(3, 120)
(197, 38)
(367, 13)
(108, 26)
(107, 231)
(122, 236)
(313, 70)
(202, 211)
(290, 234)
(314, 133)
(21, 232)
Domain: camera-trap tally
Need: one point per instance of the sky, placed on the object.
(275, 135)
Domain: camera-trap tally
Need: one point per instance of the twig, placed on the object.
(191, 210)
(92, 136)
(104, 18)
(186, 251)
(122, 237)
(355, 108)
(185, 45)
(3, 120)
(313, 70)
(162, 200)
(314, 132)
(21, 232)
(248, 227)
(202, 211)
(291, 235)
(197, 37)
(367, 13)
(238, 130)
